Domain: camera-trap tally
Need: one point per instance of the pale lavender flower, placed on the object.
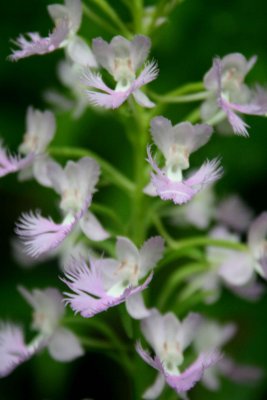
(13, 350)
(169, 338)
(234, 268)
(176, 144)
(121, 58)
(67, 19)
(75, 184)
(234, 213)
(40, 130)
(212, 334)
(61, 343)
(108, 282)
(257, 243)
(225, 82)
(199, 212)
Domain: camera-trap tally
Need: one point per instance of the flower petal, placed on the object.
(64, 346)
(92, 228)
(136, 307)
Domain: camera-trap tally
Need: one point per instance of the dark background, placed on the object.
(196, 32)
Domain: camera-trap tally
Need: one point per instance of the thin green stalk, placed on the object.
(193, 116)
(138, 8)
(176, 278)
(208, 241)
(95, 344)
(186, 89)
(115, 176)
(114, 17)
(163, 232)
(179, 99)
(219, 117)
(98, 20)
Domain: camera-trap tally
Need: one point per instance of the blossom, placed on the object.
(61, 343)
(234, 213)
(75, 184)
(228, 92)
(108, 282)
(169, 338)
(176, 144)
(236, 269)
(67, 19)
(121, 58)
(40, 130)
(212, 334)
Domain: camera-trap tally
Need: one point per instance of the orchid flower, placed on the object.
(40, 130)
(121, 58)
(75, 184)
(234, 213)
(108, 282)
(67, 19)
(61, 343)
(169, 338)
(176, 144)
(212, 334)
(225, 82)
(235, 269)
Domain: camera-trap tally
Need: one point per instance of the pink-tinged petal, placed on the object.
(89, 297)
(238, 125)
(150, 190)
(252, 291)
(35, 44)
(149, 74)
(237, 270)
(193, 374)
(234, 213)
(208, 173)
(126, 250)
(257, 233)
(188, 378)
(188, 329)
(155, 390)
(136, 307)
(64, 346)
(71, 11)
(80, 53)
(150, 253)
(139, 50)
(103, 53)
(154, 362)
(41, 235)
(239, 373)
(178, 192)
(9, 163)
(13, 350)
(142, 99)
(92, 228)
(161, 131)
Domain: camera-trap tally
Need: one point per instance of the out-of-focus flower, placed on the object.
(176, 144)
(40, 130)
(67, 19)
(61, 343)
(225, 82)
(121, 58)
(234, 213)
(108, 282)
(236, 269)
(214, 335)
(199, 212)
(169, 338)
(75, 184)
(69, 74)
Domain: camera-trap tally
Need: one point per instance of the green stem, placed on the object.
(193, 116)
(111, 13)
(99, 208)
(163, 232)
(208, 241)
(219, 117)
(179, 99)
(187, 88)
(138, 15)
(115, 176)
(176, 278)
(98, 20)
